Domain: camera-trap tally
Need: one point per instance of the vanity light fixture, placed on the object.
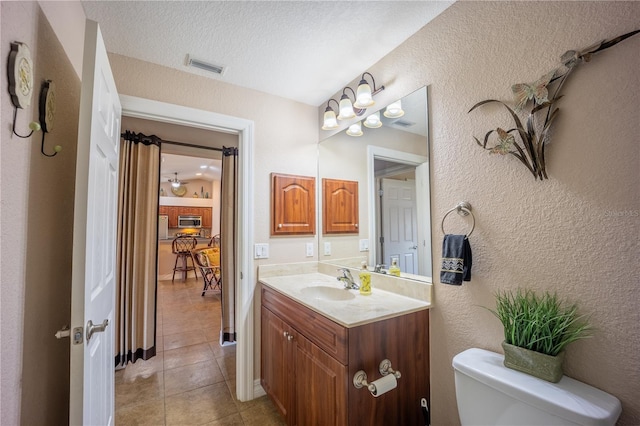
(373, 121)
(394, 110)
(330, 120)
(364, 95)
(348, 109)
(355, 129)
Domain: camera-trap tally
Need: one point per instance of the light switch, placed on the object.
(309, 249)
(327, 248)
(261, 251)
(364, 245)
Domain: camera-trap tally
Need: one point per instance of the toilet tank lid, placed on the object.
(569, 399)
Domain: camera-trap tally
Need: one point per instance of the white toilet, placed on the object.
(488, 393)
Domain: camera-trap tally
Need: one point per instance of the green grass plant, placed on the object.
(543, 323)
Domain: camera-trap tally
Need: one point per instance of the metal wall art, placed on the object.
(527, 142)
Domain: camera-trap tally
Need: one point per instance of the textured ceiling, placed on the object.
(300, 50)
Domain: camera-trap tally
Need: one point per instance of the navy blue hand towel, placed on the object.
(456, 259)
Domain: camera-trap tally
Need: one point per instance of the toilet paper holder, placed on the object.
(360, 378)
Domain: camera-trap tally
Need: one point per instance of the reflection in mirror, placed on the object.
(391, 166)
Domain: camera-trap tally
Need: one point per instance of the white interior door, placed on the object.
(399, 224)
(94, 238)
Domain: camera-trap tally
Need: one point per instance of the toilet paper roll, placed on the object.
(383, 385)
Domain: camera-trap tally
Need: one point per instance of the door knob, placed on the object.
(95, 328)
(414, 247)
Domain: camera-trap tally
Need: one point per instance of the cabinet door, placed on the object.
(189, 211)
(293, 205)
(320, 386)
(207, 221)
(278, 372)
(172, 211)
(340, 206)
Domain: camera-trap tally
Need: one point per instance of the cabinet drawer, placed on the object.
(329, 336)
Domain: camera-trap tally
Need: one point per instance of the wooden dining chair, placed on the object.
(181, 247)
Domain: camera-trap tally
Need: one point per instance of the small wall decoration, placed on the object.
(527, 142)
(20, 75)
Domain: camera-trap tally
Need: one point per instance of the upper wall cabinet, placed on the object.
(293, 205)
(340, 206)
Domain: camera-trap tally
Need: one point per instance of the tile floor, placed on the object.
(191, 380)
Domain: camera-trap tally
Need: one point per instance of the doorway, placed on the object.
(246, 387)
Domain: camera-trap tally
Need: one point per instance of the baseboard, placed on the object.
(258, 391)
(166, 277)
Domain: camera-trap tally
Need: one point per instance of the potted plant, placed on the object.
(536, 331)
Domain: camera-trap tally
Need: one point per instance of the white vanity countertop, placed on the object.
(359, 310)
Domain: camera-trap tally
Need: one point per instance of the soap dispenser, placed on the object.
(365, 280)
(394, 269)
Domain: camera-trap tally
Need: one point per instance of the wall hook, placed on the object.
(56, 148)
(34, 126)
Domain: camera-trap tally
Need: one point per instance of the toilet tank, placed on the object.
(488, 393)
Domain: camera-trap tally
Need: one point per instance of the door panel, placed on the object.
(94, 240)
(399, 224)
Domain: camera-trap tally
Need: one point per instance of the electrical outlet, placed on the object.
(327, 248)
(261, 251)
(364, 245)
(309, 249)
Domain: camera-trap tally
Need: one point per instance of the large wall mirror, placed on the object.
(391, 167)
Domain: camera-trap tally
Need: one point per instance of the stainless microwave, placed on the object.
(189, 221)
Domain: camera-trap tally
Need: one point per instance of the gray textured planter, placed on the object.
(537, 364)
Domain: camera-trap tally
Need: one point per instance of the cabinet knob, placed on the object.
(279, 225)
(288, 335)
(355, 224)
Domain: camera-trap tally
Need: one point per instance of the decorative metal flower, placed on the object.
(535, 136)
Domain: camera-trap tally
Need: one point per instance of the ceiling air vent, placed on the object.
(404, 123)
(197, 63)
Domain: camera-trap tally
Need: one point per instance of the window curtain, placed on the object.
(136, 260)
(228, 239)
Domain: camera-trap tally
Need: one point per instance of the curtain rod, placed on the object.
(190, 145)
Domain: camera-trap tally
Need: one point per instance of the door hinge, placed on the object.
(380, 192)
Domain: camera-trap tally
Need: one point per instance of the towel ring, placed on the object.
(464, 209)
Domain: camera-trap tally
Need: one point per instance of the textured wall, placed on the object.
(37, 219)
(577, 233)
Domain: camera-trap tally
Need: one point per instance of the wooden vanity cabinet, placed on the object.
(308, 364)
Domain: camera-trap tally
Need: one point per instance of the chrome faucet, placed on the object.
(380, 268)
(347, 279)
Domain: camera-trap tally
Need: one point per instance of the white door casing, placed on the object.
(399, 224)
(246, 387)
(423, 203)
(94, 238)
(401, 157)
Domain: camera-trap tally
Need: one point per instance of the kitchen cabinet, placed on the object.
(207, 214)
(308, 363)
(293, 205)
(174, 211)
(340, 206)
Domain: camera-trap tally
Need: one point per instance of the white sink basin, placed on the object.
(327, 293)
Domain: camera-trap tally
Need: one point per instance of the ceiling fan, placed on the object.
(175, 182)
